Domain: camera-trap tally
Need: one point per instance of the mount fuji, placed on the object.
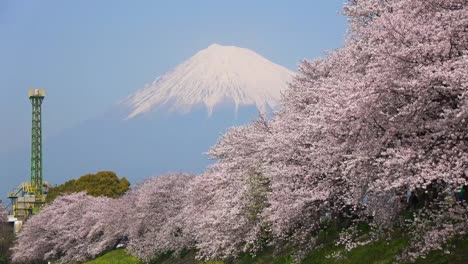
(214, 76)
(169, 124)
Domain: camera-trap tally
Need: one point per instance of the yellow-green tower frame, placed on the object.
(36, 96)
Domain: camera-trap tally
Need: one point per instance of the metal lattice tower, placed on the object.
(36, 96)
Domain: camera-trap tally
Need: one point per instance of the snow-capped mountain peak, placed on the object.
(213, 76)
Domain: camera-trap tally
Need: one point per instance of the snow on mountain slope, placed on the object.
(214, 75)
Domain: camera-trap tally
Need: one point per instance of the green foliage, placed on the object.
(103, 183)
(118, 256)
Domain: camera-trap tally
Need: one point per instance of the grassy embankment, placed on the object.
(118, 256)
(381, 252)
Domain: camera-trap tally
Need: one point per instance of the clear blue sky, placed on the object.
(91, 54)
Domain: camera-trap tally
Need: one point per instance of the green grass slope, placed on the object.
(381, 252)
(117, 256)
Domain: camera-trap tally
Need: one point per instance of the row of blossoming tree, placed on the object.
(368, 133)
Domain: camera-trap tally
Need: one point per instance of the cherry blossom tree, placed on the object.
(418, 84)
(74, 227)
(156, 223)
(416, 110)
(228, 200)
(382, 117)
